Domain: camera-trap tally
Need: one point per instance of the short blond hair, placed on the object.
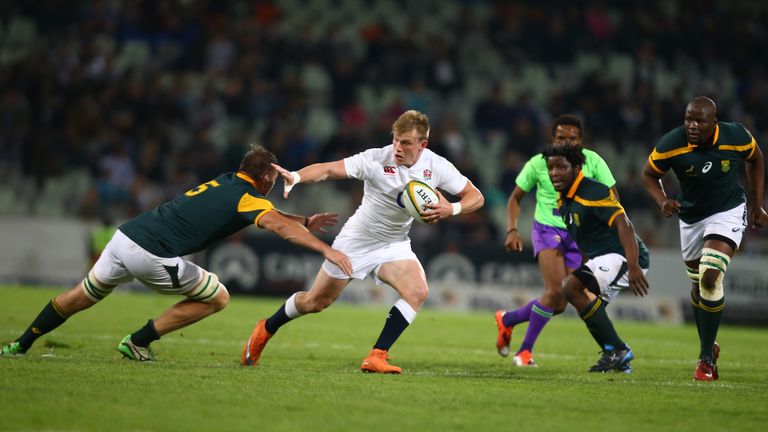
(410, 120)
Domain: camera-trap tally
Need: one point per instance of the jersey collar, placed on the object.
(247, 178)
(575, 185)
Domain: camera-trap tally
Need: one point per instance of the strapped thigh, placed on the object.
(206, 288)
(94, 289)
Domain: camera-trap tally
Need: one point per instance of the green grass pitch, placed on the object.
(308, 379)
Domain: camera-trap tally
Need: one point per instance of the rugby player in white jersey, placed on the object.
(375, 238)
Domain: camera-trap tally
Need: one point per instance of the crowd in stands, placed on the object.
(114, 106)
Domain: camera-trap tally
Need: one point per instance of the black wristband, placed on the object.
(510, 230)
(306, 221)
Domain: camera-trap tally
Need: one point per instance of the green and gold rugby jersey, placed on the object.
(535, 174)
(194, 220)
(709, 178)
(588, 210)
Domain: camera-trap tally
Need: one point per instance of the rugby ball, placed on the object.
(415, 197)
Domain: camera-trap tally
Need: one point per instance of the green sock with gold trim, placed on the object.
(598, 323)
(696, 317)
(48, 319)
(709, 317)
(596, 336)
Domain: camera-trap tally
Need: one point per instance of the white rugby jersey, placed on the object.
(381, 214)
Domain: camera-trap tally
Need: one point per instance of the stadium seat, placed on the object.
(666, 81)
(321, 123)
(535, 78)
(18, 39)
(134, 55)
(619, 68)
(587, 62)
(315, 79)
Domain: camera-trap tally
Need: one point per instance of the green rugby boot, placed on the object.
(13, 348)
(132, 351)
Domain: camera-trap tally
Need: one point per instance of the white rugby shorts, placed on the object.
(611, 274)
(367, 255)
(730, 224)
(123, 260)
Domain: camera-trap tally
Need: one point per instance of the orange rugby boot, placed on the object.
(376, 362)
(503, 336)
(255, 345)
(524, 358)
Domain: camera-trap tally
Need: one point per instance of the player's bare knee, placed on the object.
(422, 295)
(221, 299)
(555, 299)
(416, 296)
(568, 289)
(560, 305)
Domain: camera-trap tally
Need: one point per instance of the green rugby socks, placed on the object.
(47, 320)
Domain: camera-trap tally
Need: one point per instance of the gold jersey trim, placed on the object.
(249, 203)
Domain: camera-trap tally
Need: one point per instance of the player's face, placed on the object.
(408, 147)
(566, 135)
(699, 123)
(561, 173)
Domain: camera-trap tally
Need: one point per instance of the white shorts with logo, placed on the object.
(123, 260)
(730, 224)
(610, 271)
(367, 255)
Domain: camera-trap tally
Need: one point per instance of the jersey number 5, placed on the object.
(201, 188)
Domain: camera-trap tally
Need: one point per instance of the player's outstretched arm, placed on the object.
(513, 242)
(296, 233)
(755, 168)
(318, 222)
(637, 281)
(652, 184)
(311, 173)
(470, 200)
